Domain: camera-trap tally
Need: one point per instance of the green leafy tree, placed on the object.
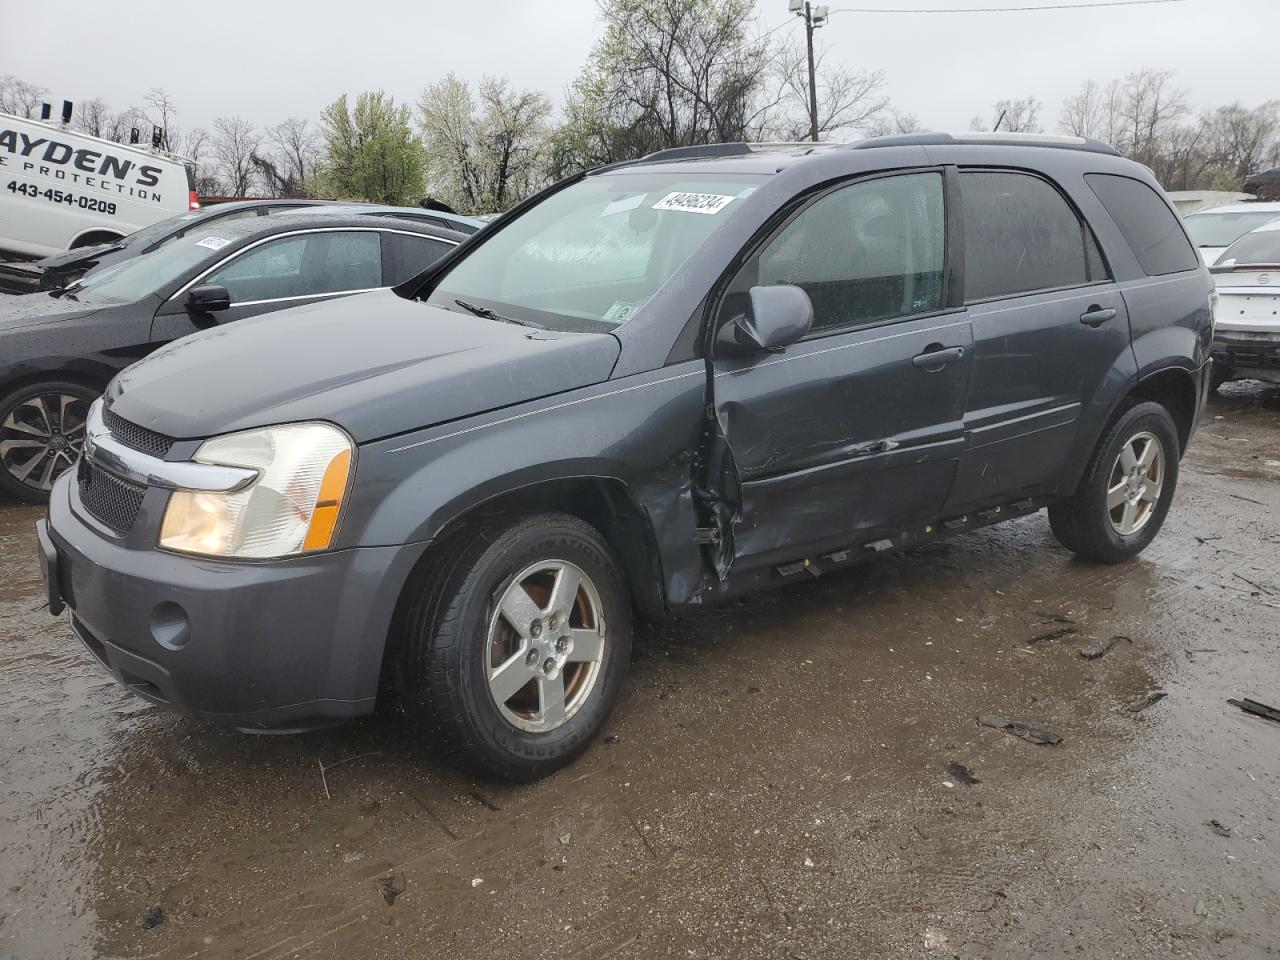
(371, 151)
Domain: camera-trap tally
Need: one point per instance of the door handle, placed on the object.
(1096, 316)
(935, 360)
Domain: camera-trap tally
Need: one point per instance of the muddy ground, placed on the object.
(774, 784)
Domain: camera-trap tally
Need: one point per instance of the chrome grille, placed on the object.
(108, 498)
(132, 435)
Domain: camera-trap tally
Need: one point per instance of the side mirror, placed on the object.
(208, 297)
(779, 316)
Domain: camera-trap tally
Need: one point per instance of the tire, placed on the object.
(41, 432)
(455, 634)
(1084, 524)
(1218, 375)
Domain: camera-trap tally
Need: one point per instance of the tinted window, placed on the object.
(1020, 235)
(1150, 227)
(306, 265)
(407, 256)
(866, 252)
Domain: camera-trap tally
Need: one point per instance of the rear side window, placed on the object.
(1149, 226)
(405, 256)
(1021, 236)
(301, 266)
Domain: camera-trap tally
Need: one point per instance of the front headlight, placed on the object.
(292, 507)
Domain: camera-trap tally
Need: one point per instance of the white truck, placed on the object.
(60, 189)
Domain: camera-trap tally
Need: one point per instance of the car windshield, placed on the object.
(145, 275)
(1223, 229)
(1259, 247)
(587, 258)
(152, 233)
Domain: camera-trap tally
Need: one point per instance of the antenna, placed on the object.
(133, 136)
(67, 106)
(46, 111)
(157, 135)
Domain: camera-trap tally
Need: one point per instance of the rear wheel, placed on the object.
(41, 433)
(1126, 490)
(516, 643)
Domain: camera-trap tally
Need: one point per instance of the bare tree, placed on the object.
(233, 145)
(847, 99)
(161, 112)
(893, 123)
(295, 153)
(1142, 111)
(1012, 116)
(20, 98)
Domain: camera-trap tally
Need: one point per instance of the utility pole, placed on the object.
(814, 17)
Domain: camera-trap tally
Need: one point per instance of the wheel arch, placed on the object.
(604, 502)
(1174, 388)
(87, 238)
(89, 374)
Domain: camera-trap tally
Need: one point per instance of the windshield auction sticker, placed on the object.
(694, 202)
(213, 243)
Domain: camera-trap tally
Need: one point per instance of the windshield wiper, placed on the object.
(493, 315)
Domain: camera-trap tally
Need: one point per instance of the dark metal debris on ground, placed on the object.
(1017, 729)
(1096, 651)
(1148, 699)
(391, 887)
(152, 917)
(962, 774)
(1256, 708)
(1221, 829)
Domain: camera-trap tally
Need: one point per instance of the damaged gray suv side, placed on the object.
(656, 386)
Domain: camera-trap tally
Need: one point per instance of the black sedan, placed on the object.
(57, 351)
(55, 272)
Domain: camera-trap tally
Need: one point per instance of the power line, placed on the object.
(1054, 6)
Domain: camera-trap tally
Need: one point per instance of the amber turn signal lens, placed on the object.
(333, 487)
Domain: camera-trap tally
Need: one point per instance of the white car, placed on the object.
(1246, 338)
(60, 189)
(1215, 229)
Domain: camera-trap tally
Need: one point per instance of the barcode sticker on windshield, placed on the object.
(694, 202)
(213, 243)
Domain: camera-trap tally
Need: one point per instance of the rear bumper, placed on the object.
(275, 646)
(1248, 354)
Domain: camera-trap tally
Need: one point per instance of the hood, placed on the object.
(375, 364)
(36, 308)
(76, 257)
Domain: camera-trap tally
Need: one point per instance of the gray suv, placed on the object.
(651, 388)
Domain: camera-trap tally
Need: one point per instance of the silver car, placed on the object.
(1246, 340)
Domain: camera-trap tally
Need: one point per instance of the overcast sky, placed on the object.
(269, 60)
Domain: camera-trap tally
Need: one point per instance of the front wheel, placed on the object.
(41, 433)
(1126, 490)
(516, 643)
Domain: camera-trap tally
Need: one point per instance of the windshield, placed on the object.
(587, 258)
(1223, 229)
(1261, 246)
(149, 234)
(145, 275)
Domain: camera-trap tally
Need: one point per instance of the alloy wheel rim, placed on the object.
(545, 645)
(42, 436)
(1136, 479)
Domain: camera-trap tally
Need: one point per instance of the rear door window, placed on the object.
(405, 256)
(1022, 236)
(1147, 223)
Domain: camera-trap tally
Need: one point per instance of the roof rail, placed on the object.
(1061, 141)
(739, 149)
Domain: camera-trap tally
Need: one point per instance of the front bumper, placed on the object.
(1248, 354)
(281, 645)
